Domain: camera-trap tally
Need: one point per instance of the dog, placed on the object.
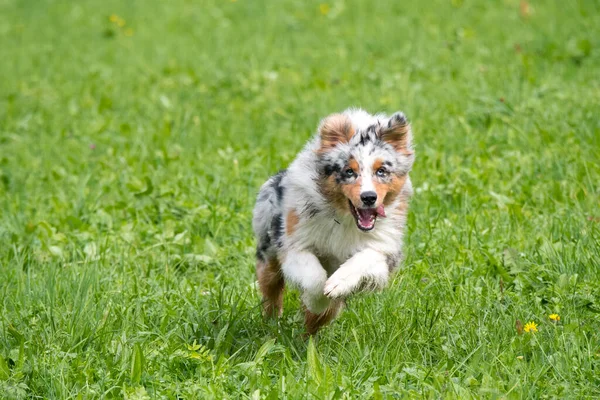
(332, 224)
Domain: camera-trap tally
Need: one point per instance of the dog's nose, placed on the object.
(368, 198)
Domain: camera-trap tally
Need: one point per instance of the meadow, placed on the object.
(134, 137)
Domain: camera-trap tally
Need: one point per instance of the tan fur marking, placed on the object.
(335, 129)
(314, 322)
(271, 284)
(397, 136)
(352, 192)
(389, 191)
(354, 165)
(291, 221)
(377, 164)
(333, 192)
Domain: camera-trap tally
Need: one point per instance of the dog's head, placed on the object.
(361, 171)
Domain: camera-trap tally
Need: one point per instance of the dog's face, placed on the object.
(363, 171)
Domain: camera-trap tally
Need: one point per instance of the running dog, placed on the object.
(332, 224)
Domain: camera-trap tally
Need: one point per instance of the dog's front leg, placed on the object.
(367, 269)
(303, 269)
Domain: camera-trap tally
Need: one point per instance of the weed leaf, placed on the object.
(137, 364)
(4, 371)
(315, 368)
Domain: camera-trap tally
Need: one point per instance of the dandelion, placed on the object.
(324, 8)
(554, 317)
(530, 327)
(115, 19)
(128, 32)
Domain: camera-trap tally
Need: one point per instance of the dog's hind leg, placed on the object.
(271, 284)
(313, 322)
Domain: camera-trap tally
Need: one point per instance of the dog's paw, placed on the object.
(342, 283)
(315, 303)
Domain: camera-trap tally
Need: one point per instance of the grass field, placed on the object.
(134, 137)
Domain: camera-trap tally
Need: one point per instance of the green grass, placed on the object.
(130, 158)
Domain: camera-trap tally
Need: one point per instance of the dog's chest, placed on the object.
(336, 240)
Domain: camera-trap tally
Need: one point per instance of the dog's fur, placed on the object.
(314, 222)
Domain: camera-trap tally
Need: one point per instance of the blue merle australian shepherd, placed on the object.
(332, 223)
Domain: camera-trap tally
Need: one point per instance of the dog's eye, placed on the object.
(381, 172)
(349, 172)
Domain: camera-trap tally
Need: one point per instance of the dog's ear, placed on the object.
(397, 133)
(335, 129)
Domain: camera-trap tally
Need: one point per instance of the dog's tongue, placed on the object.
(381, 211)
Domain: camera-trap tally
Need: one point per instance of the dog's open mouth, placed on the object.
(366, 217)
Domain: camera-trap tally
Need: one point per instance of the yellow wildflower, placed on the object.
(128, 32)
(554, 317)
(115, 19)
(324, 8)
(530, 327)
